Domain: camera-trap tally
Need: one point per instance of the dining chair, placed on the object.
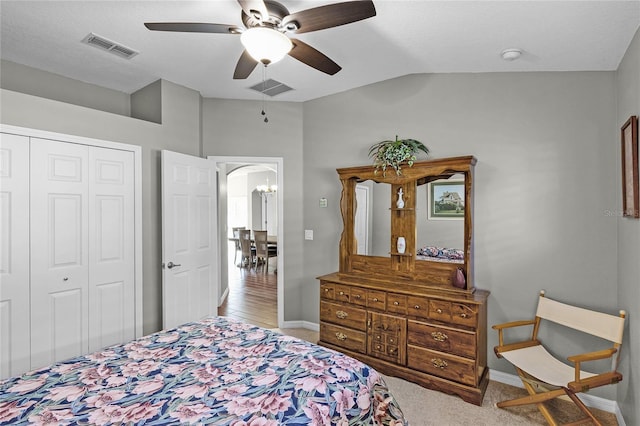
(247, 249)
(264, 250)
(236, 234)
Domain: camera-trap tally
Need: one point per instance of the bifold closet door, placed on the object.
(14, 255)
(59, 251)
(111, 247)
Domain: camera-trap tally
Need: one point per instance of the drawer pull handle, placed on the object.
(375, 299)
(342, 293)
(393, 351)
(396, 303)
(439, 363)
(326, 290)
(341, 336)
(378, 337)
(391, 341)
(439, 310)
(463, 315)
(439, 336)
(341, 314)
(358, 296)
(417, 307)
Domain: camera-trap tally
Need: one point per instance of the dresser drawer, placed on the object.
(343, 337)
(397, 303)
(327, 291)
(464, 314)
(418, 306)
(443, 339)
(344, 315)
(376, 299)
(342, 293)
(358, 296)
(450, 367)
(440, 310)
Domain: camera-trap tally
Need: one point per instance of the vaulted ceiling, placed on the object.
(405, 37)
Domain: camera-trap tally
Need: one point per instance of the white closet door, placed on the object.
(14, 255)
(111, 247)
(59, 251)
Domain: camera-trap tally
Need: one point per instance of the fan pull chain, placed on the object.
(264, 77)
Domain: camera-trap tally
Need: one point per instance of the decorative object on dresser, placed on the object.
(402, 313)
(394, 153)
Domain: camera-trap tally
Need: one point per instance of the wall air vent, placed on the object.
(110, 46)
(271, 87)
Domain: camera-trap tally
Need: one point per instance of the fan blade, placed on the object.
(312, 57)
(329, 16)
(193, 27)
(250, 6)
(246, 64)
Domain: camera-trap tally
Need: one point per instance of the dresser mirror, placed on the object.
(438, 239)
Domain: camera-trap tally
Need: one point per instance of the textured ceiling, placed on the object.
(405, 37)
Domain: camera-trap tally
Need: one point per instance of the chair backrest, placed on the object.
(606, 326)
(236, 234)
(262, 249)
(245, 241)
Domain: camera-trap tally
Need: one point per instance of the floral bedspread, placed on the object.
(216, 371)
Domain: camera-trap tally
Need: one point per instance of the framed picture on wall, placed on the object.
(629, 137)
(445, 200)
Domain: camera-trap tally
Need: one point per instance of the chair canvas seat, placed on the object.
(539, 363)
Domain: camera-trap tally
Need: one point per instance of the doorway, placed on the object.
(249, 195)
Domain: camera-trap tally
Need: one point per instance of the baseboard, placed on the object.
(301, 324)
(589, 400)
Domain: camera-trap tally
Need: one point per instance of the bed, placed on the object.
(215, 371)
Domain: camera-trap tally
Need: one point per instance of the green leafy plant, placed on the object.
(394, 153)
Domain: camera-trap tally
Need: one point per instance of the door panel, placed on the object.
(59, 247)
(14, 255)
(188, 236)
(111, 247)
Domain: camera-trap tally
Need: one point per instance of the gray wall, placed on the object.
(179, 132)
(545, 178)
(235, 128)
(628, 96)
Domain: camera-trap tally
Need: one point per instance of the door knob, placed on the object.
(171, 265)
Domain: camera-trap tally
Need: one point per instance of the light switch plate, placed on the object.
(308, 234)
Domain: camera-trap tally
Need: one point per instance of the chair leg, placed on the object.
(582, 407)
(533, 398)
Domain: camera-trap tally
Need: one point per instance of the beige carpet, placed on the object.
(424, 407)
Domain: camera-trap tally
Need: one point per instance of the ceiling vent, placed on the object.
(271, 87)
(110, 46)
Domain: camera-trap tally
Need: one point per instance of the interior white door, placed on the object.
(59, 255)
(189, 238)
(111, 247)
(14, 255)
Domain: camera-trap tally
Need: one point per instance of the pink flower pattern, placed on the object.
(215, 371)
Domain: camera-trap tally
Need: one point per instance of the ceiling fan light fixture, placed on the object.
(266, 45)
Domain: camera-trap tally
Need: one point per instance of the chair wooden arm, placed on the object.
(513, 346)
(592, 356)
(589, 356)
(512, 324)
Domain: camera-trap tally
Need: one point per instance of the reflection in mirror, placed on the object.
(440, 237)
(372, 213)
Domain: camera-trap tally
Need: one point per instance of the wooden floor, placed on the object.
(253, 296)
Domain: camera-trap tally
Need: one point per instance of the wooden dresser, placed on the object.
(401, 314)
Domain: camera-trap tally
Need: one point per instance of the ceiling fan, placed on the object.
(267, 24)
